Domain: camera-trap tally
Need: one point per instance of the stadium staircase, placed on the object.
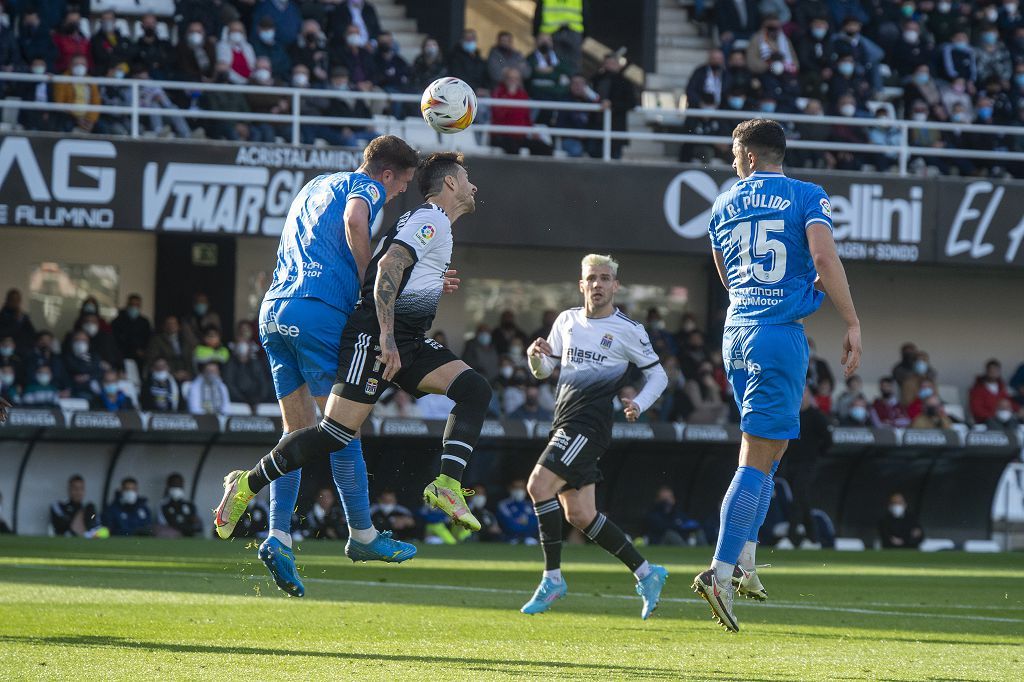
(393, 18)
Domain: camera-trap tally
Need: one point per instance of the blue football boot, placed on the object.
(548, 592)
(650, 588)
(280, 561)
(383, 548)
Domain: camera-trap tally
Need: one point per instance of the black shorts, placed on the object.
(360, 373)
(573, 454)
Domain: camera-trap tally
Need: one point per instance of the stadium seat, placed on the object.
(937, 545)
(73, 404)
(268, 410)
(950, 395)
(982, 546)
(239, 410)
(131, 373)
(955, 411)
(849, 544)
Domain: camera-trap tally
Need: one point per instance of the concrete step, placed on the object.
(664, 81)
(683, 43)
(676, 27)
(671, 14)
(680, 69)
(399, 24)
(409, 42)
(385, 12)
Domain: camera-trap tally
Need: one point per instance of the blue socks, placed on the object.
(764, 502)
(739, 510)
(349, 469)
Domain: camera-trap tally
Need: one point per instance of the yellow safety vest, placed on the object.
(559, 13)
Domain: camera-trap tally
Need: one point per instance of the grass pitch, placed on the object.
(159, 609)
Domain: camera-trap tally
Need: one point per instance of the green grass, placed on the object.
(152, 609)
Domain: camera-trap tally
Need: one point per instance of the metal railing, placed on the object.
(903, 151)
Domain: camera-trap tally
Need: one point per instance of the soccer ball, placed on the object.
(448, 105)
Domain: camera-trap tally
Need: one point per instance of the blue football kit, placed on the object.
(759, 226)
(315, 287)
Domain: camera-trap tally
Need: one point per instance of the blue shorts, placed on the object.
(301, 337)
(767, 367)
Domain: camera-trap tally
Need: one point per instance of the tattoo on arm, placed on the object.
(390, 272)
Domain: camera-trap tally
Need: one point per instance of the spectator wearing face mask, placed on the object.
(991, 56)
(394, 73)
(155, 97)
(705, 395)
(711, 78)
(173, 345)
(101, 340)
(853, 391)
(116, 96)
(770, 41)
(847, 81)
(932, 414)
(132, 330)
(506, 331)
(736, 20)
(245, 375)
(674, 404)
(325, 520)
(237, 52)
(40, 390)
(227, 101)
(957, 94)
(195, 55)
(353, 54)
(814, 52)
(70, 43)
(617, 93)
(10, 358)
(176, 517)
(944, 22)
(160, 391)
(549, 75)
(34, 40)
(667, 524)
(912, 50)
(76, 517)
(15, 321)
(884, 135)
(360, 14)
(46, 353)
(910, 387)
(921, 87)
(9, 388)
(387, 514)
(480, 353)
(857, 413)
(516, 516)
(581, 93)
(282, 15)
(531, 408)
(208, 394)
(490, 529)
(429, 65)
(153, 54)
(108, 46)
(112, 398)
(988, 391)
(269, 44)
(465, 62)
(887, 409)
(83, 367)
(78, 95)
(310, 50)
(692, 353)
(899, 528)
(958, 60)
(662, 341)
(504, 56)
(128, 514)
(1006, 416)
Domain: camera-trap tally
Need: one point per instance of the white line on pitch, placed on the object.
(495, 590)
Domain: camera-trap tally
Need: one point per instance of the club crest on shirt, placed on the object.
(826, 207)
(425, 234)
(373, 192)
(606, 342)
(371, 386)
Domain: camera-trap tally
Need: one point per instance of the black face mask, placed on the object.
(150, 32)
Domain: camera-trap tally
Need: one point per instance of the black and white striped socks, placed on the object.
(549, 518)
(297, 448)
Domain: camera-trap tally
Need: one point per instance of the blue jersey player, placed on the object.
(771, 237)
(321, 260)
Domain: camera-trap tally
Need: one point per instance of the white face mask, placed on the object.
(79, 70)
(195, 39)
(354, 40)
(242, 349)
(236, 37)
(518, 494)
(91, 328)
(910, 36)
(176, 494)
(484, 338)
(44, 379)
(897, 510)
(300, 80)
(129, 497)
(478, 501)
(920, 116)
(387, 508)
(1003, 415)
(848, 110)
(6, 379)
(80, 347)
(267, 35)
(161, 375)
(778, 68)
(261, 74)
(108, 26)
(507, 371)
(39, 69)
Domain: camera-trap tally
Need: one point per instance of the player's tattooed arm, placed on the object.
(390, 271)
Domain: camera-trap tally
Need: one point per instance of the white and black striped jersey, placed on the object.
(426, 232)
(595, 354)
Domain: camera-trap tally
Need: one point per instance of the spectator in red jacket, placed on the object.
(926, 389)
(70, 42)
(988, 390)
(887, 410)
(511, 87)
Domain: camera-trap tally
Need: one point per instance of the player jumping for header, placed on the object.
(383, 343)
(595, 346)
(771, 237)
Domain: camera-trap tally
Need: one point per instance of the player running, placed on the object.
(321, 259)
(595, 346)
(384, 343)
(771, 237)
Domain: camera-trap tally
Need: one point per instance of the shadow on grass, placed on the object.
(107, 642)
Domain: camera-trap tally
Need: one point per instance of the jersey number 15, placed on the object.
(760, 255)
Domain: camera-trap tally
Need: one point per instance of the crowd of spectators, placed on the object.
(324, 46)
(921, 60)
(125, 364)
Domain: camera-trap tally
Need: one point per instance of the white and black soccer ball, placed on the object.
(448, 105)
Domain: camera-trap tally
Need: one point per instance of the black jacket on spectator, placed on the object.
(132, 336)
(469, 67)
(280, 62)
(246, 381)
(361, 64)
(190, 64)
(128, 519)
(332, 526)
(342, 17)
(36, 43)
(698, 84)
(424, 73)
(62, 516)
(10, 56)
(256, 519)
(107, 51)
(903, 528)
(178, 356)
(210, 13)
(156, 55)
(83, 371)
(727, 18)
(19, 327)
(906, 57)
(394, 72)
(615, 88)
(160, 396)
(180, 515)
